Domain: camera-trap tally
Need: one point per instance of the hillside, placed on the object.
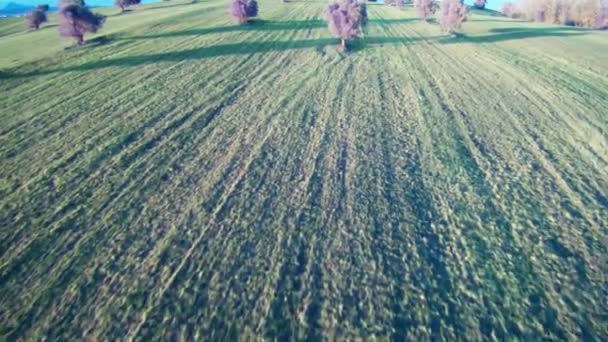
(180, 176)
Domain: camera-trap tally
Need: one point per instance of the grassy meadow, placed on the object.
(183, 177)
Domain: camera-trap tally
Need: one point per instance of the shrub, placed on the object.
(43, 7)
(126, 3)
(242, 10)
(34, 19)
(452, 14)
(75, 21)
(345, 20)
(425, 8)
(480, 4)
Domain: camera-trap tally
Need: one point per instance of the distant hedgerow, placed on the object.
(35, 18)
(242, 10)
(452, 14)
(585, 13)
(424, 8)
(345, 20)
(75, 21)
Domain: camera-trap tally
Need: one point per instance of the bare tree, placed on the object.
(452, 14)
(75, 21)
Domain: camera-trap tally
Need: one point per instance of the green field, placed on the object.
(183, 177)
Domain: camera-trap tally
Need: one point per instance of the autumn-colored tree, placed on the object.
(242, 10)
(452, 14)
(345, 20)
(75, 21)
(34, 19)
(425, 8)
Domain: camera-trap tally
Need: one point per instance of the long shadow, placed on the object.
(394, 21)
(169, 6)
(259, 25)
(240, 48)
(515, 33)
(254, 25)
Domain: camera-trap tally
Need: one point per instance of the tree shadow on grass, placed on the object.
(515, 33)
(169, 6)
(241, 48)
(245, 48)
(394, 21)
(260, 25)
(253, 25)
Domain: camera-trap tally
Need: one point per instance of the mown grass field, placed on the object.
(182, 177)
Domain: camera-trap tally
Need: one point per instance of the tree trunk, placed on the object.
(344, 44)
(80, 39)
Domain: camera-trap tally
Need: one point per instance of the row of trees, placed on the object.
(72, 16)
(346, 18)
(586, 13)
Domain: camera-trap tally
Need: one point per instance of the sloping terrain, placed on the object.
(181, 176)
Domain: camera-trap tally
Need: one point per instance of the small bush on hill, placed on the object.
(480, 4)
(35, 18)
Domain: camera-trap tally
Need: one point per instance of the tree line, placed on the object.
(584, 13)
(346, 18)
